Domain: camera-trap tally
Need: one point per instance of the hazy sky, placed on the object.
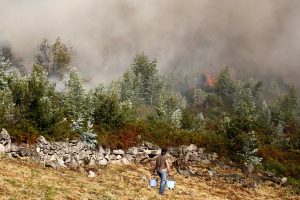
(258, 36)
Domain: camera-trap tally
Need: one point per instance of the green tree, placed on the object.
(225, 86)
(61, 57)
(146, 78)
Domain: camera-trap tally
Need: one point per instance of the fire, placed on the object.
(210, 80)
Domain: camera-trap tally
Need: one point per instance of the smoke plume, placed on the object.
(253, 37)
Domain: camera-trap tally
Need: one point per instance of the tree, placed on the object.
(80, 107)
(42, 101)
(199, 96)
(244, 103)
(225, 85)
(61, 57)
(7, 108)
(44, 56)
(265, 117)
(54, 58)
(146, 78)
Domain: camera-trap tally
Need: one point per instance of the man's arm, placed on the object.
(168, 167)
(154, 169)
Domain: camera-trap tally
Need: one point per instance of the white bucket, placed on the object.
(171, 185)
(152, 182)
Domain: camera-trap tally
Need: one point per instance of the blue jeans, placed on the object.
(163, 181)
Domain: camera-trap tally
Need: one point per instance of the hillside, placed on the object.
(24, 179)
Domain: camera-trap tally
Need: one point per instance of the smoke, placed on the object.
(254, 37)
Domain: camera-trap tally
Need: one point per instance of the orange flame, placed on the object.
(211, 80)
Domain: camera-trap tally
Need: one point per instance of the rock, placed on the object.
(119, 157)
(14, 148)
(25, 152)
(191, 147)
(91, 174)
(211, 172)
(185, 172)
(118, 152)
(214, 156)
(103, 162)
(107, 152)
(42, 140)
(233, 178)
(125, 161)
(150, 146)
(155, 152)
(283, 180)
(129, 157)
(2, 149)
(101, 151)
(205, 162)
(132, 151)
(61, 163)
(201, 150)
(5, 140)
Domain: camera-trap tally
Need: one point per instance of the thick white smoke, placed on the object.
(260, 36)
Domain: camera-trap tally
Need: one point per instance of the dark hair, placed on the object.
(163, 151)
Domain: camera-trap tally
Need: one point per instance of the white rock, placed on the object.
(132, 151)
(2, 149)
(125, 161)
(42, 140)
(191, 147)
(283, 180)
(119, 157)
(103, 162)
(91, 174)
(60, 162)
(118, 152)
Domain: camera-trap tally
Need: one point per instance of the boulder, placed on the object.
(5, 140)
(155, 152)
(191, 147)
(103, 162)
(132, 151)
(283, 180)
(150, 146)
(42, 140)
(118, 152)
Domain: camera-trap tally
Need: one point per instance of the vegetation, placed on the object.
(240, 119)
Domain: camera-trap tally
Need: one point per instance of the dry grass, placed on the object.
(20, 179)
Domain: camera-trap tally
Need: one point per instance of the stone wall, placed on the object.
(77, 153)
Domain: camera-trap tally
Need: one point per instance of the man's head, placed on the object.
(163, 151)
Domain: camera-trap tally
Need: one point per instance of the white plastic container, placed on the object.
(153, 182)
(171, 184)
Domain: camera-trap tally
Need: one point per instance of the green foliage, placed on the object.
(54, 58)
(146, 80)
(225, 86)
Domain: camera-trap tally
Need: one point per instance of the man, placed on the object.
(162, 166)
